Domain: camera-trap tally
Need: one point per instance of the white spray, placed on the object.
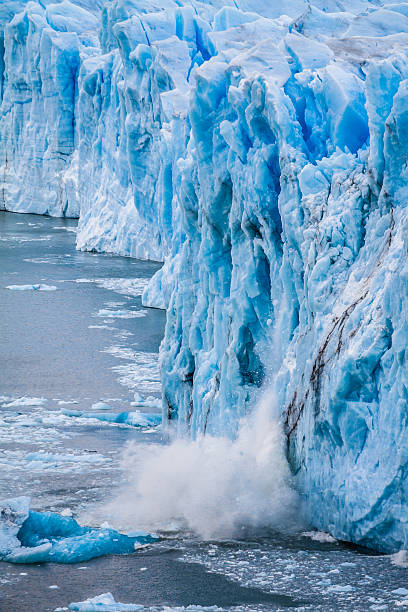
(215, 486)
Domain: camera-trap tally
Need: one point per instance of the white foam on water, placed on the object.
(400, 558)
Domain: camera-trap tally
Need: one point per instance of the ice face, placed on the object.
(260, 149)
(42, 537)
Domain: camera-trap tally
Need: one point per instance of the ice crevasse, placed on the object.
(260, 150)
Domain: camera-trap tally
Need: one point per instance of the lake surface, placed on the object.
(81, 342)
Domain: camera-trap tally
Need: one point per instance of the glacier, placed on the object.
(259, 150)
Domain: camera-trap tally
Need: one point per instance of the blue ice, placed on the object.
(27, 536)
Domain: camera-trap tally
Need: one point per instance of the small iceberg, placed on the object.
(101, 406)
(150, 402)
(25, 401)
(47, 537)
(36, 287)
(103, 603)
(134, 419)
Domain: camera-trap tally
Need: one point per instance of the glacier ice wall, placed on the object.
(37, 124)
(259, 148)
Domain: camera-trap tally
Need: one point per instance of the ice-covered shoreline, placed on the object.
(260, 150)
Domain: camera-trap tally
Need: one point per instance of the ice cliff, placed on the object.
(260, 149)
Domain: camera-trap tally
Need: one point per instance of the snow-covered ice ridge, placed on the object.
(260, 148)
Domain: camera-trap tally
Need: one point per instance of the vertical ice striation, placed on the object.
(259, 149)
(37, 124)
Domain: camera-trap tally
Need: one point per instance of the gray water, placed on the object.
(62, 352)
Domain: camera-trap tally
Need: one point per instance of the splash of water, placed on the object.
(214, 486)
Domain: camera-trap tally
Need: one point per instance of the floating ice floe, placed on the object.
(42, 537)
(121, 314)
(107, 603)
(35, 287)
(123, 286)
(22, 239)
(150, 401)
(401, 592)
(101, 406)
(67, 229)
(25, 401)
(54, 459)
(339, 588)
(134, 419)
(103, 603)
(18, 461)
(142, 374)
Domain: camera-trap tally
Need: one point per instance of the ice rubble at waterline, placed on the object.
(259, 148)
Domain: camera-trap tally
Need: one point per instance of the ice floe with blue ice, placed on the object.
(103, 603)
(106, 603)
(133, 419)
(35, 287)
(27, 536)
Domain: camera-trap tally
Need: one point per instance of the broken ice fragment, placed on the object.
(43, 537)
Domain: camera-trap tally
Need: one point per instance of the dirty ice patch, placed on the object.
(35, 287)
(121, 314)
(26, 401)
(133, 419)
(123, 286)
(43, 537)
(103, 603)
